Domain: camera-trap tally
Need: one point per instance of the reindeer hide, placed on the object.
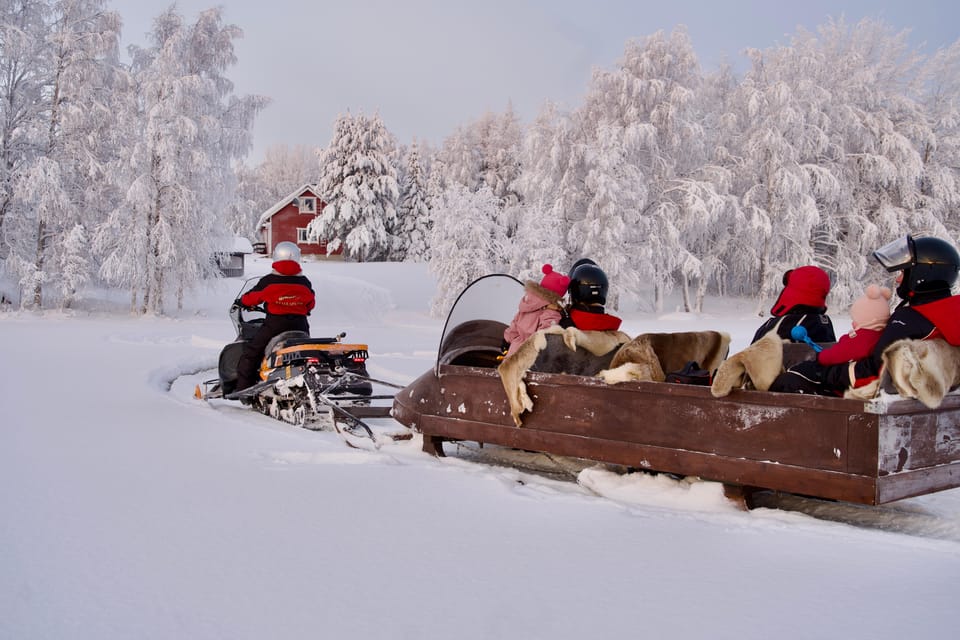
(650, 356)
(555, 350)
(759, 364)
(923, 369)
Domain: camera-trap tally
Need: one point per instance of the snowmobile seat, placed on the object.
(477, 343)
(286, 338)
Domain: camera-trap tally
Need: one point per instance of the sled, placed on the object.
(315, 383)
(866, 452)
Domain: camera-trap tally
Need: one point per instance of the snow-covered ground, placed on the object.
(129, 509)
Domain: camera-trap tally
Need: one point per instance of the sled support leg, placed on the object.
(740, 495)
(433, 445)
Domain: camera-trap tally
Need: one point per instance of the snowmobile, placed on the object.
(314, 383)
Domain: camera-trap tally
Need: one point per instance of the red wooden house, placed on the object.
(288, 219)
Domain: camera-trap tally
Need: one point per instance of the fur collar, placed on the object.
(534, 288)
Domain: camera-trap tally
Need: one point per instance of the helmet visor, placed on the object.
(895, 256)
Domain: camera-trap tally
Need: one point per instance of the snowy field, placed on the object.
(129, 509)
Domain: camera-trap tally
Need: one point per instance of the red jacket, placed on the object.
(853, 346)
(285, 291)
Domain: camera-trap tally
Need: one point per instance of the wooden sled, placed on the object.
(867, 452)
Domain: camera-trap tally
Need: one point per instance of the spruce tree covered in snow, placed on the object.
(466, 242)
(414, 223)
(191, 128)
(359, 184)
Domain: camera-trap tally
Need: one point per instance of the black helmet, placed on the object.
(588, 284)
(578, 263)
(929, 264)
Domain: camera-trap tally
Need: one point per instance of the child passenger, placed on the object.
(802, 302)
(539, 308)
(869, 315)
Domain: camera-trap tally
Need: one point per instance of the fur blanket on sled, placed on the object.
(922, 369)
(925, 370)
(756, 367)
(610, 355)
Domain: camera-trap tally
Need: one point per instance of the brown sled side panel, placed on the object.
(830, 448)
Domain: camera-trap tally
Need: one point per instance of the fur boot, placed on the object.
(757, 365)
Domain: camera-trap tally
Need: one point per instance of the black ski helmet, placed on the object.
(578, 263)
(588, 284)
(929, 264)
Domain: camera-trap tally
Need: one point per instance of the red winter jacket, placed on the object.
(853, 346)
(285, 291)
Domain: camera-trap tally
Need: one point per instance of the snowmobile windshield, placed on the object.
(896, 255)
(486, 306)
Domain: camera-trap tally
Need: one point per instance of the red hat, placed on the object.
(554, 281)
(806, 286)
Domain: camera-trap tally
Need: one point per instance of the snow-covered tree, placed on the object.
(486, 153)
(74, 267)
(466, 242)
(831, 167)
(413, 214)
(555, 156)
(23, 59)
(359, 184)
(67, 174)
(651, 99)
(191, 129)
(282, 170)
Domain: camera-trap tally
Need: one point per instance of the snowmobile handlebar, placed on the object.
(257, 307)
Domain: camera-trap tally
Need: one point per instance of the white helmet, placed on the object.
(286, 251)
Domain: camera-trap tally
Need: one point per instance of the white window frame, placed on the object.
(310, 209)
(303, 237)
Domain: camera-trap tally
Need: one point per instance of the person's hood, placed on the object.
(287, 267)
(803, 286)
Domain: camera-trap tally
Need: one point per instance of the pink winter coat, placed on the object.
(533, 315)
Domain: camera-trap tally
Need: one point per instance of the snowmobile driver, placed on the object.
(288, 298)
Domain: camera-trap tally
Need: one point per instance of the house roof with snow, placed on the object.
(269, 213)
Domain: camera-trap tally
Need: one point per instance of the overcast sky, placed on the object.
(428, 66)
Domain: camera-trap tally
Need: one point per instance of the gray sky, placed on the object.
(428, 66)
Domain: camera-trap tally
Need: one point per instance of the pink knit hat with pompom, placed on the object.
(554, 281)
(872, 309)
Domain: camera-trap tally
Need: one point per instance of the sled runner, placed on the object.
(315, 383)
(867, 452)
